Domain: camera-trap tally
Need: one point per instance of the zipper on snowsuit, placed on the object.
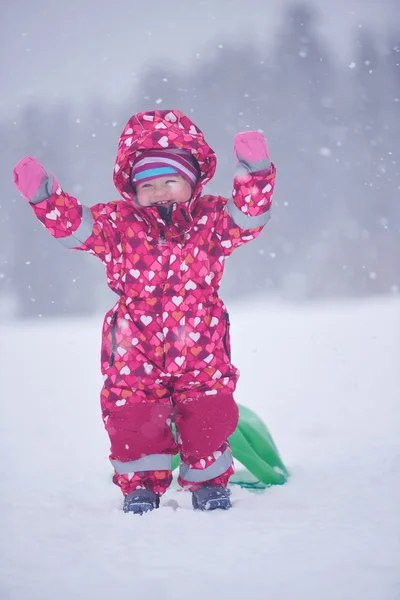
(184, 215)
(165, 214)
(113, 338)
(225, 337)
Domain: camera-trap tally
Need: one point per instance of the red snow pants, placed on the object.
(140, 402)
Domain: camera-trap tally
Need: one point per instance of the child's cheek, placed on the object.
(142, 198)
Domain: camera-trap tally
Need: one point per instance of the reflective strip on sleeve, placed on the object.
(217, 468)
(45, 190)
(83, 232)
(246, 221)
(151, 462)
(248, 166)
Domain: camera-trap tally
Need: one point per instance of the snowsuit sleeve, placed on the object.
(77, 226)
(248, 210)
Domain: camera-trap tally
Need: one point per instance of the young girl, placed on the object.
(166, 352)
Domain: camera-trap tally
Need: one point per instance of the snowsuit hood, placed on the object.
(158, 130)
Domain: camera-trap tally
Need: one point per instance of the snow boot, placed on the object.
(211, 497)
(141, 501)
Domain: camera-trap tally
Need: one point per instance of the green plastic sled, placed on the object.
(253, 446)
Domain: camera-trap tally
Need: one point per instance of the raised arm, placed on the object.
(248, 210)
(73, 224)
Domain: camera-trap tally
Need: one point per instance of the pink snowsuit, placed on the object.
(165, 345)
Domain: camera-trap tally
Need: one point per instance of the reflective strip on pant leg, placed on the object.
(83, 232)
(246, 221)
(217, 468)
(151, 462)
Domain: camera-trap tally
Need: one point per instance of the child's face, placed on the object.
(163, 191)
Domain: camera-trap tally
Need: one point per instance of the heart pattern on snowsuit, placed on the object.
(166, 341)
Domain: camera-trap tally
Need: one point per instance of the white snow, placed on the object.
(325, 379)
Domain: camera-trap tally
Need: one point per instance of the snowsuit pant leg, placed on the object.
(206, 416)
(138, 422)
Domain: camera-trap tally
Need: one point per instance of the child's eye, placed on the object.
(171, 181)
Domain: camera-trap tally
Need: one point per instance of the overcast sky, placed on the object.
(78, 48)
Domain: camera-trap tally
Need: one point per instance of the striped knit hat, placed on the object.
(159, 163)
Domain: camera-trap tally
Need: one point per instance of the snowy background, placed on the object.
(321, 80)
(326, 382)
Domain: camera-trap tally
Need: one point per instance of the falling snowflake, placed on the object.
(325, 151)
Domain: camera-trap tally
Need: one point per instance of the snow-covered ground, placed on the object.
(326, 380)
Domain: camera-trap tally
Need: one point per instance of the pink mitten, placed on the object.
(252, 151)
(33, 181)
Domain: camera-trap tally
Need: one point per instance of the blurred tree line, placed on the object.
(333, 131)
